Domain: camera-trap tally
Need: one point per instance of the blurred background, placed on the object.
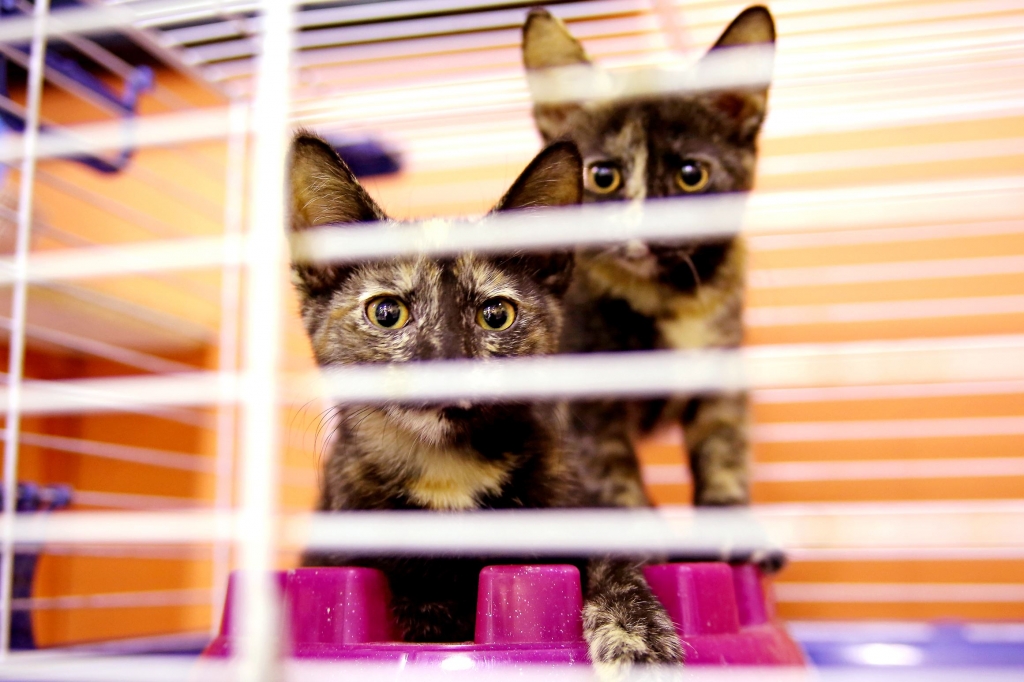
(428, 101)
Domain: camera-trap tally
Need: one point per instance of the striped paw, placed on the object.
(626, 639)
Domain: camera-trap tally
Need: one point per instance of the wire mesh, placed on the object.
(884, 354)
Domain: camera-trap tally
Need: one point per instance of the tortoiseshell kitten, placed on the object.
(456, 456)
(639, 296)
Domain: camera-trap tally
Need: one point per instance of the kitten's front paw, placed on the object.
(632, 641)
(727, 492)
(770, 561)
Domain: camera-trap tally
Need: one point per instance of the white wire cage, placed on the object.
(885, 321)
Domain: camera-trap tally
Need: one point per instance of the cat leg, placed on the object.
(716, 430)
(716, 435)
(625, 624)
(608, 468)
(433, 599)
(420, 620)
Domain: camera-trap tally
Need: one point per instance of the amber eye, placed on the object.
(602, 178)
(387, 312)
(496, 314)
(692, 176)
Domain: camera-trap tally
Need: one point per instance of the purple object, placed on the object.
(338, 606)
(525, 615)
(529, 605)
(722, 614)
(885, 646)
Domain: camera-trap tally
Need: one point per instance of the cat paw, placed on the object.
(627, 642)
(722, 491)
(770, 561)
(742, 539)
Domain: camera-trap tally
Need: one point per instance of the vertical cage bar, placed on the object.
(668, 20)
(260, 430)
(227, 354)
(19, 303)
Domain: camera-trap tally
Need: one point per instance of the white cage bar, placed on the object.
(268, 42)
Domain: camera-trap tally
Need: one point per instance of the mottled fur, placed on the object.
(638, 296)
(622, 619)
(457, 456)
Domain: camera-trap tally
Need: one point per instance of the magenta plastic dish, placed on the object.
(526, 615)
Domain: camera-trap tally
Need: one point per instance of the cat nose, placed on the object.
(443, 345)
(635, 249)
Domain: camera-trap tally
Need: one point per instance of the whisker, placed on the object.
(693, 268)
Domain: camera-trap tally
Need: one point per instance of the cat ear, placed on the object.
(753, 27)
(547, 44)
(323, 192)
(553, 178)
(323, 189)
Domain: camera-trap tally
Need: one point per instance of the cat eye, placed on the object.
(692, 176)
(602, 178)
(387, 312)
(496, 314)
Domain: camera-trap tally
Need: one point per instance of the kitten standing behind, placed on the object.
(642, 296)
(456, 456)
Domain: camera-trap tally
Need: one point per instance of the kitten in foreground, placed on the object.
(456, 456)
(641, 296)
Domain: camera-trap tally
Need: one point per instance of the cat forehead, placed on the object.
(422, 274)
(656, 116)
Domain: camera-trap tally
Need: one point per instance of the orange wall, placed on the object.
(181, 189)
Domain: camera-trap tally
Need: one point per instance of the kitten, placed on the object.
(640, 296)
(456, 456)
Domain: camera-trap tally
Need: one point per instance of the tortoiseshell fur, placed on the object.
(641, 296)
(457, 456)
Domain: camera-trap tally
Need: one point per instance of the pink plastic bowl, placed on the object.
(526, 615)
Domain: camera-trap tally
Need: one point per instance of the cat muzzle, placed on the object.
(637, 261)
(461, 408)
(635, 249)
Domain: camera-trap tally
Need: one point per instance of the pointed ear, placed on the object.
(323, 192)
(323, 189)
(752, 28)
(547, 44)
(553, 178)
